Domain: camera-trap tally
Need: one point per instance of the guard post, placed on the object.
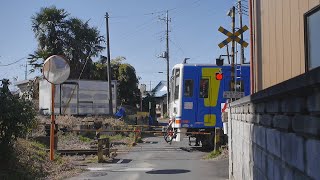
(217, 144)
(103, 150)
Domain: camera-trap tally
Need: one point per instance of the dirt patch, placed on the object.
(73, 141)
(224, 153)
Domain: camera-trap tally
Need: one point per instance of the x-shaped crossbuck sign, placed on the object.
(233, 36)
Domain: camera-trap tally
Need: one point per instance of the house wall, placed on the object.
(279, 48)
(275, 133)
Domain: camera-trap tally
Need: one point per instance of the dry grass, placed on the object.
(72, 121)
(73, 141)
(30, 160)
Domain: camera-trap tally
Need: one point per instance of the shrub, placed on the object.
(17, 116)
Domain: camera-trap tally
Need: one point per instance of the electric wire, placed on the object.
(13, 62)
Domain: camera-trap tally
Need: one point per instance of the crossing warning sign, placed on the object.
(233, 36)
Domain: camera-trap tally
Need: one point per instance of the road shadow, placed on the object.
(193, 149)
(168, 171)
(148, 142)
(96, 174)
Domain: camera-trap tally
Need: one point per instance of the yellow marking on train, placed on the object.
(209, 119)
(214, 86)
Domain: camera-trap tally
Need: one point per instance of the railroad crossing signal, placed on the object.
(233, 36)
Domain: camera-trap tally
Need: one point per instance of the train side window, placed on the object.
(188, 88)
(177, 84)
(204, 88)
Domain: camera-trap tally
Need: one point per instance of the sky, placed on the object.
(136, 32)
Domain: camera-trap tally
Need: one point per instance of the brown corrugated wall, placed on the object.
(278, 40)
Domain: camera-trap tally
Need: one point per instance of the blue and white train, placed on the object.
(196, 96)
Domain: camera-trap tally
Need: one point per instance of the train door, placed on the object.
(189, 96)
(204, 101)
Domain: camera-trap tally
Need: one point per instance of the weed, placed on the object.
(113, 138)
(213, 154)
(84, 139)
(38, 145)
(91, 159)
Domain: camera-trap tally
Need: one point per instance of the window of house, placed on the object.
(204, 88)
(312, 38)
(188, 88)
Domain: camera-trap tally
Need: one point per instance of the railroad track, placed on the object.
(72, 152)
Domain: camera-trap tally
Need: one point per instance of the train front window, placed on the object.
(188, 88)
(204, 87)
(176, 84)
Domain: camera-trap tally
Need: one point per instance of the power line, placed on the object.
(155, 12)
(194, 2)
(13, 62)
(139, 28)
(177, 46)
(138, 15)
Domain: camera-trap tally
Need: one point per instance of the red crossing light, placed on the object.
(219, 76)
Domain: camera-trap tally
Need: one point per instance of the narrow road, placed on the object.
(157, 160)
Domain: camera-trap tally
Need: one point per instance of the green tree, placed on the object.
(128, 91)
(124, 73)
(17, 116)
(58, 34)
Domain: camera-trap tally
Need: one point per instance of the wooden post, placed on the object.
(139, 133)
(216, 139)
(135, 135)
(100, 151)
(107, 147)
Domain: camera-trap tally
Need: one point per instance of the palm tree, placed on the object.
(49, 27)
(71, 37)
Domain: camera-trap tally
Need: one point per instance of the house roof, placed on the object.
(161, 89)
(23, 82)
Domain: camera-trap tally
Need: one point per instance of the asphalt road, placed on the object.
(157, 160)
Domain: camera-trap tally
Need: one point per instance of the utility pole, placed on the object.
(26, 72)
(167, 38)
(232, 51)
(240, 21)
(150, 86)
(228, 54)
(166, 55)
(109, 67)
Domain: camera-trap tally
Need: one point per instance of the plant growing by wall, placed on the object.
(17, 116)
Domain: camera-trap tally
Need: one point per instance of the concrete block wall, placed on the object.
(275, 133)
